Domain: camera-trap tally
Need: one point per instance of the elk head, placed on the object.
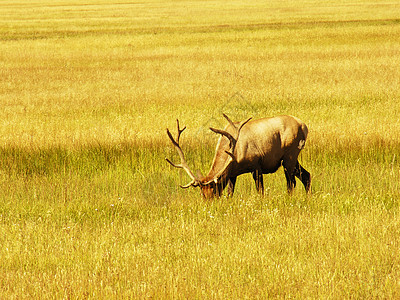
(210, 187)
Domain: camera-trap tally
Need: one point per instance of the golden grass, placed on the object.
(89, 77)
(245, 248)
(89, 208)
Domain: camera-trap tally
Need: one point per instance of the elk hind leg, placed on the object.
(304, 177)
(258, 179)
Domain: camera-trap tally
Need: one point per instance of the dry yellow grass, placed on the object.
(88, 206)
(69, 71)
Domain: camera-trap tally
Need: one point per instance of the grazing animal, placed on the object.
(252, 146)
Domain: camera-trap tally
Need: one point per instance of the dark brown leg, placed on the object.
(258, 179)
(290, 180)
(304, 177)
(231, 186)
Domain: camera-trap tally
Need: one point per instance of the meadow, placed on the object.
(89, 208)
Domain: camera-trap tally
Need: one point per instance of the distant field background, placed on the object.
(90, 209)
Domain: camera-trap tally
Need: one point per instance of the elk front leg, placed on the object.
(258, 179)
(231, 186)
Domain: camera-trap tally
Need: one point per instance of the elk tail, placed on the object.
(301, 145)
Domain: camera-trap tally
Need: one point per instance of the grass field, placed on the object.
(89, 208)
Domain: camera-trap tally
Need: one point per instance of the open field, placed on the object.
(89, 208)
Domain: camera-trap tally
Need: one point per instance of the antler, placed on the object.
(232, 142)
(234, 126)
(183, 164)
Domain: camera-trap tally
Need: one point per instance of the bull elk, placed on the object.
(252, 146)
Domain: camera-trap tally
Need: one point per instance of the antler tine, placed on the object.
(192, 183)
(179, 130)
(244, 123)
(231, 155)
(231, 139)
(233, 124)
(229, 120)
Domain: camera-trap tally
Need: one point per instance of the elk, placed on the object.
(251, 146)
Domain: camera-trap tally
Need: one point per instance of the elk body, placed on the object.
(252, 146)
